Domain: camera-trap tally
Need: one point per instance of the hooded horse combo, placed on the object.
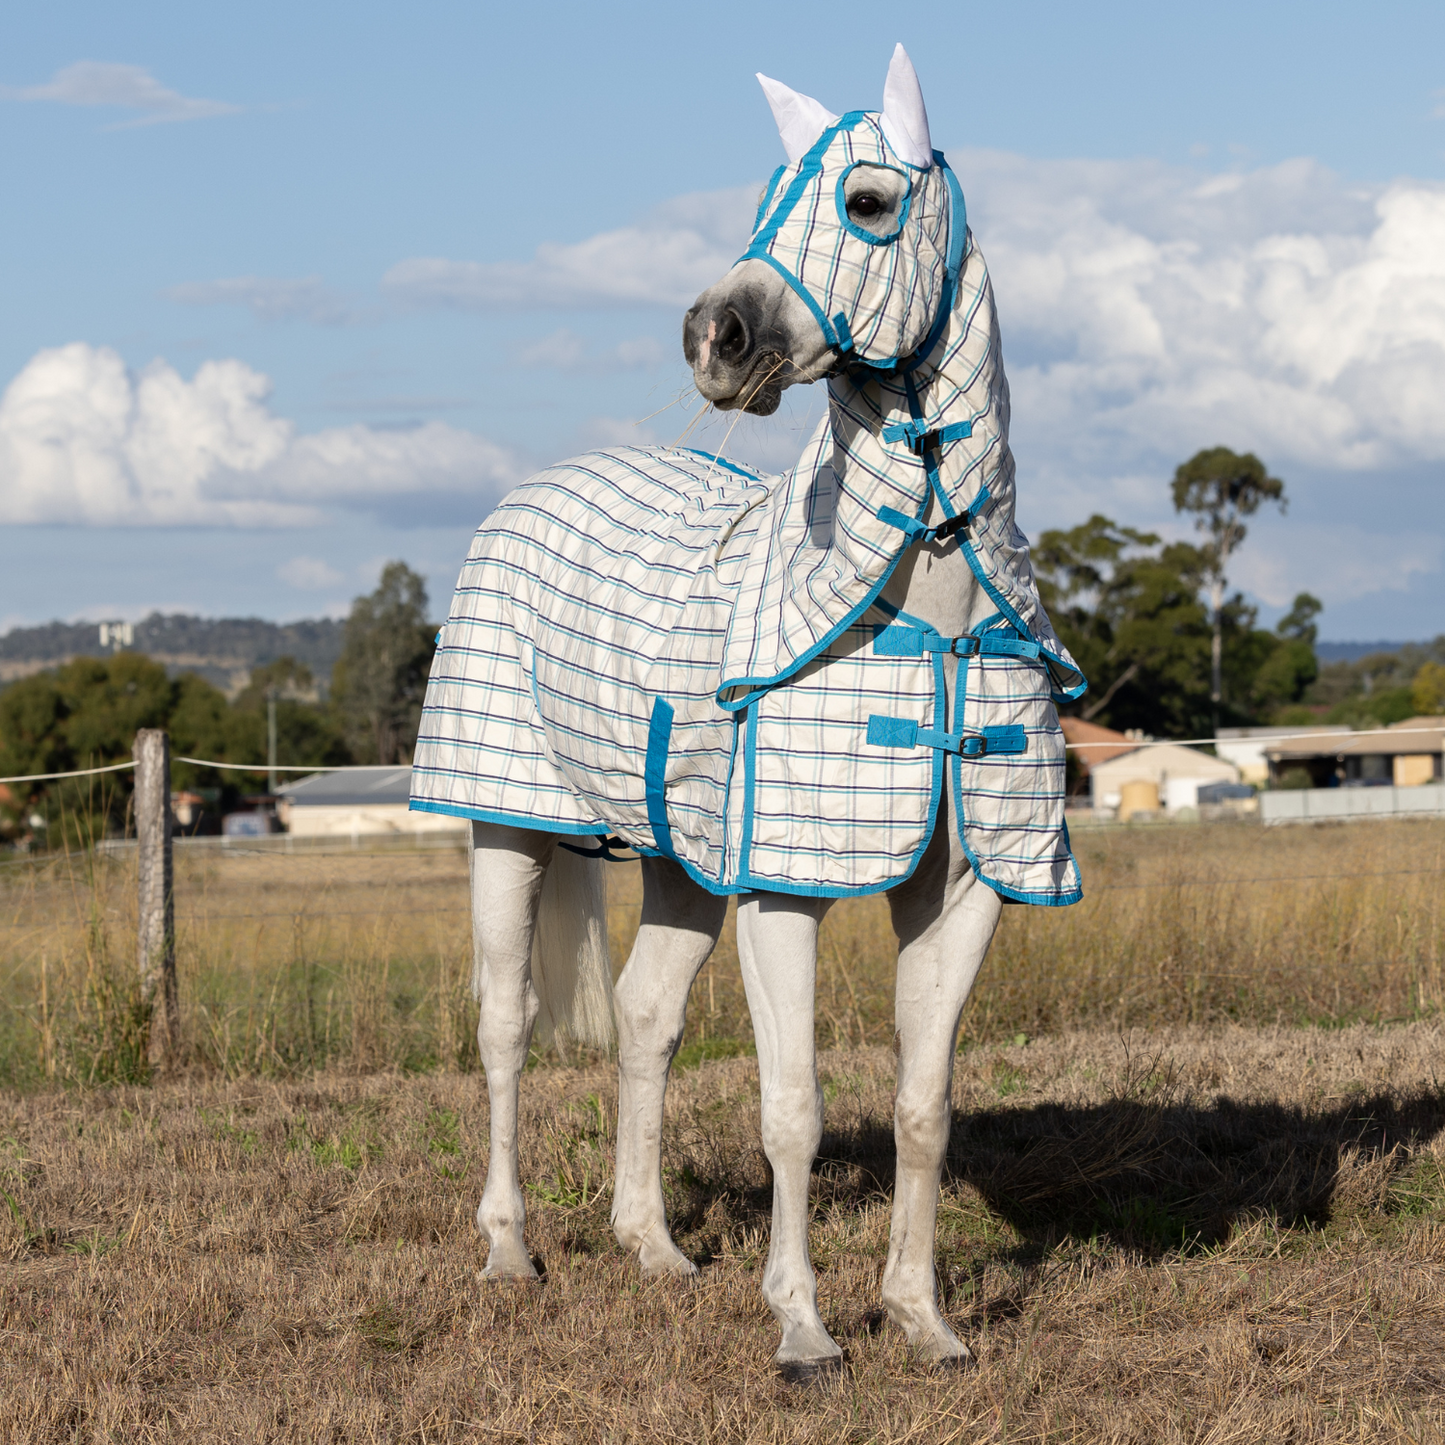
(797, 688)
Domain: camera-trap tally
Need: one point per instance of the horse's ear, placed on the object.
(801, 119)
(905, 121)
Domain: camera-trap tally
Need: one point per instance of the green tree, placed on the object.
(1128, 608)
(306, 733)
(86, 715)
(1427, 691)
(1287, 665)
(1221, 488)
(378, 685)
(1298, 623)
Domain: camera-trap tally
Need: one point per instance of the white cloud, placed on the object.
(306, 298)
(84, 441)
(123, 87)
(1146, 309)
(566, 351)
(309, 574)
(1157, 309)
(676, 251)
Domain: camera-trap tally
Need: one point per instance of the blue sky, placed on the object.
(292, 290)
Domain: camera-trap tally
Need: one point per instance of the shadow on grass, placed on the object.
(1155, 1176)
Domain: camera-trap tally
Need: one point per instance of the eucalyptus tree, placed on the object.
(1221, 488)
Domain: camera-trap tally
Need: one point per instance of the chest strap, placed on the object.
(899, 640)
(915, 531)
(921, 438)
(899, 732)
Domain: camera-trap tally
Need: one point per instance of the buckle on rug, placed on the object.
(900, 732)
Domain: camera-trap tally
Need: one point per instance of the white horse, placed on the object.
(954, 579)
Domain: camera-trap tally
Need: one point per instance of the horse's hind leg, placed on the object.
(507, 867)
(680, 925)
(778, 946)
(945, 919)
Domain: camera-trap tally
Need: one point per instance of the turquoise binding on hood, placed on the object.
(879, 300)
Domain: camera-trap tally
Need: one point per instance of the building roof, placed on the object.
(352, 788)
(1414, 735)
(1104, 743)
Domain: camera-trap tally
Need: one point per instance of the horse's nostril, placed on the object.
(731, 342)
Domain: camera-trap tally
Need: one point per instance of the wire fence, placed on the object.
(290, 953)
(322, 848)
(385, 908)
(1273, 739)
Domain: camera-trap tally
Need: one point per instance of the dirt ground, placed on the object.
(1181, 1235)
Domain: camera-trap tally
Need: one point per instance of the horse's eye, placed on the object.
(865, 205)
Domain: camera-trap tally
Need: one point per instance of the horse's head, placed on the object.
(849, 253)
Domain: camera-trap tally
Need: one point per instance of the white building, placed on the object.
(1177, 772)
(357, 803)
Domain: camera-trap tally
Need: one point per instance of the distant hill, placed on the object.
(223, 650)
(1354, 651)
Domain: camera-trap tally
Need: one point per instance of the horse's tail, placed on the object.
(571, 968)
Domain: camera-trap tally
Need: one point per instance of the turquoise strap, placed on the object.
(898, 732)
(915, 530)
(920, 437)
(897, 639)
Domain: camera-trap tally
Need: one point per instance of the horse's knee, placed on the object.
(792, 1122)
(920, 1128)
(508, 1009)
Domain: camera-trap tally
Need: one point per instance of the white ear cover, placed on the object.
(905, 121)
(801, 119)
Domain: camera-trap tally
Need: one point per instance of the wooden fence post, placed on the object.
(156, 931)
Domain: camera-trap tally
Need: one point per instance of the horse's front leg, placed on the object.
(945, 920)
(777, 947)
(680, 925)
(507, 867)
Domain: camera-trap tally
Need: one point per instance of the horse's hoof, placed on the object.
(668, 1263)
(509, 1274)
(954, 1365)
(684, 1273)
(824, 1371)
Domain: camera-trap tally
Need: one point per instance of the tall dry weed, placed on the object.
(291, 963)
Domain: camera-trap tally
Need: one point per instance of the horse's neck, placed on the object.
(934, 583)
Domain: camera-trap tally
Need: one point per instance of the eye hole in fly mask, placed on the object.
(873, 201)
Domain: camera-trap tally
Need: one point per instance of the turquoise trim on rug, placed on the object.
(654, 772)
(511, 820)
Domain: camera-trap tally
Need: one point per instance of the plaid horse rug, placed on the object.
(667, 647)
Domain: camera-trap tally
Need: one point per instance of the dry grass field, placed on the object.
(1229, 1235)
(360, 959)
(1195, 1190)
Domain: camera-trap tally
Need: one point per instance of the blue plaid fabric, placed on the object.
(668, 647)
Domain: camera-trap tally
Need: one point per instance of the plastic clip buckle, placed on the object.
(945, 530)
